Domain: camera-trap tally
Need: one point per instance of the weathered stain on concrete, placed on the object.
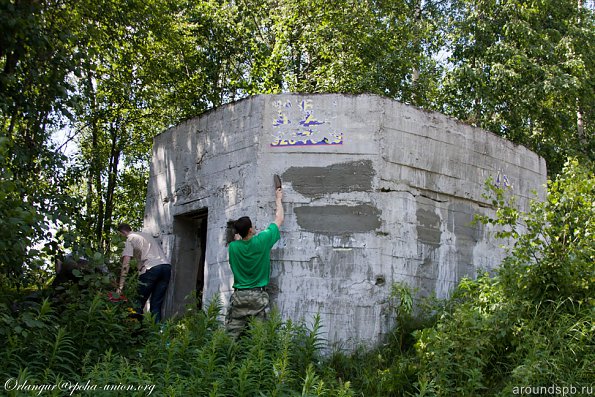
(336, 178)
(467, 234)
(428, 223)
(338, 219)
(426, 274)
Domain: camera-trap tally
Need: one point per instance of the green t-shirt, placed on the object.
(250, 260)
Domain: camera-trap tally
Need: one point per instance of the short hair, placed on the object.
(243, 226)
(124, 227)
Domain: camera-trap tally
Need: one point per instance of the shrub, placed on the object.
(53, 337)
(194, 356)
(532, 323)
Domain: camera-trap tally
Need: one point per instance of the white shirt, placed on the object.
(145, 249)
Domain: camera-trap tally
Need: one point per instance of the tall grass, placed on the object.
(477, 344)
(194, 356)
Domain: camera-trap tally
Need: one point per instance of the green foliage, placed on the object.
(118, 73)
(27, 212)
(554, 257)
(391, 368)
(50, 337)
(466, 350)
(351, 47)
(36, 58)
(521, 69)
(555, 249)
(532, 323)
(19, 220)
(191, 355)
(36, 342)
(195, 356)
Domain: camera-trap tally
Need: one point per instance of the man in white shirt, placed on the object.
(154, 268)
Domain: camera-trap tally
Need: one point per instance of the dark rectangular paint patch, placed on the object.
(355, 176)
(338, 219)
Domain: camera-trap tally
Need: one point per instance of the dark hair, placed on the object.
(124, 227)
(243, 226)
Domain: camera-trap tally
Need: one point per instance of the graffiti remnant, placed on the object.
(502, 180)
(298, 126)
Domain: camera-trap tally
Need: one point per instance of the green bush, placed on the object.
(531, 324)
(56, 332)
(194, 356)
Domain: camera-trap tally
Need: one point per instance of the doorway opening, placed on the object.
(190, 230)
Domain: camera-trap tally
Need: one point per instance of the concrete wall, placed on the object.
(376, 192)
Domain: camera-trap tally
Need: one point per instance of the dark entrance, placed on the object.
(188, 259)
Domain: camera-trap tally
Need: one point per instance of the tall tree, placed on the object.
(117, 114)
(37, 57)
(521, 68)
(382, 47)
(150, 64)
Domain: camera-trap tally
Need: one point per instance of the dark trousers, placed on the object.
(154, 283)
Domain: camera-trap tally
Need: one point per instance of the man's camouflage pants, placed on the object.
(245, 304)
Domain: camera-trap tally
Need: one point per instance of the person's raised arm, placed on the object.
(279, 213)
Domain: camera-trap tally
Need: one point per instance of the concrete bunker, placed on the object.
(376, 192)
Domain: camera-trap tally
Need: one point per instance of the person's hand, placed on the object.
(237, 236)
(279, 194)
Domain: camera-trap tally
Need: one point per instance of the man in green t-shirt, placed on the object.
(250, 262)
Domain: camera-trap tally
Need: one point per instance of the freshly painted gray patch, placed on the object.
(338, 219)
(337, 178)
(426, 275)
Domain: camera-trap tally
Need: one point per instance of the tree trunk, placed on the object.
(580, 123)
(580, 127)
(94, 172)
(115, 152)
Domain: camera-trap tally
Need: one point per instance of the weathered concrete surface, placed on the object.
(376, 192)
